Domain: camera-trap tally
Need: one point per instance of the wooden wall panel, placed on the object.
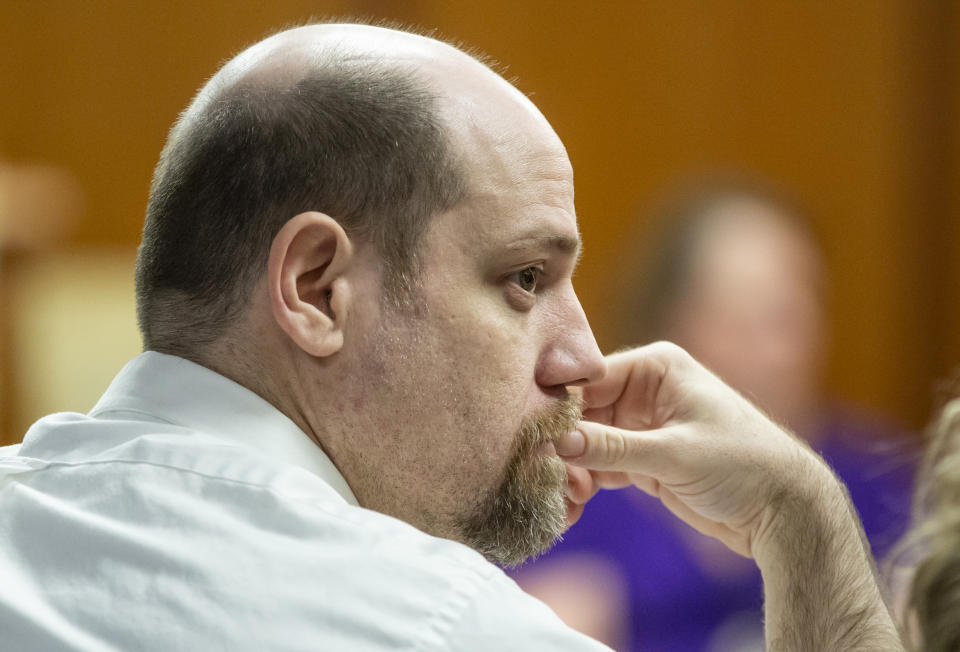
(950, 131)
(850, 104)
(98, 84)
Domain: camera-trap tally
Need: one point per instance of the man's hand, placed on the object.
(661, 421)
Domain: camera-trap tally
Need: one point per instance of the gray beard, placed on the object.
(527, 512)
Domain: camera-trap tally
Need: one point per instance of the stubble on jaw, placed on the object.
(526, 512)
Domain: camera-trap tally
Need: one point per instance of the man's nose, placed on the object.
(571, 355)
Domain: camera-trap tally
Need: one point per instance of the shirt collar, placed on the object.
(183, 393)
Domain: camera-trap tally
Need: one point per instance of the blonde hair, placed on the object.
(933, 618)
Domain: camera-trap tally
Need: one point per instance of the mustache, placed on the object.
(548, 425)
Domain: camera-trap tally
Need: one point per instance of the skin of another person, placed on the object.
(420, 407)
(752, 311)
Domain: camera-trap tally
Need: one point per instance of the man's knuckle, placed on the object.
(614, 447)
(668, 349)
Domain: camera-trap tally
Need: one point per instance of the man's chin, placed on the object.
(525, 516)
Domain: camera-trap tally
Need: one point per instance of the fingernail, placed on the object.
(571, 444)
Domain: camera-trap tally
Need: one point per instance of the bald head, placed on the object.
(481, 112)
(377, 128)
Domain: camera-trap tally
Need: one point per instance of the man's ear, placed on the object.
(309, 294)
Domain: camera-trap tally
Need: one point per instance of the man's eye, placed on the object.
(527, 278)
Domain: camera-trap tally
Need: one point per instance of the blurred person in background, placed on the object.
(734, 275)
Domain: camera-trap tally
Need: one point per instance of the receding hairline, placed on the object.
(464, 82)
(285, 58)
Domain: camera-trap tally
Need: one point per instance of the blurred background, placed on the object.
(850, 107)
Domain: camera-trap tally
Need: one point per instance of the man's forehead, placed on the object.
(494, 228)
(521, 196)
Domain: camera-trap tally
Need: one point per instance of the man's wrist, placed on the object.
(808, 505)
(820, 583)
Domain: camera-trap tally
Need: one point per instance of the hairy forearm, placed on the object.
(820, 585)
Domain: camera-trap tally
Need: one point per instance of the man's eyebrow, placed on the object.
(564, 243)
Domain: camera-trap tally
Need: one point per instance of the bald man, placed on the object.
(361, 384)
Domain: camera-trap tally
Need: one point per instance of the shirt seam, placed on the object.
(317, 503)
(99, 413)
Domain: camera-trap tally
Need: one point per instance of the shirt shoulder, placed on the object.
(152, 535)
(502, 617)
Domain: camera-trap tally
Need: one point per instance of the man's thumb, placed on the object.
(606, 448)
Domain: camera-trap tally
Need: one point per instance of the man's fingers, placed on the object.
(580, 484)
(603, 414)
(647, 485)
(638, 371)
(574, 512)
(583, 484)
(611, 479)
(606, 448)
(733, 540)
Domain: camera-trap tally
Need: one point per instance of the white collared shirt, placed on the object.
(186, 513)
